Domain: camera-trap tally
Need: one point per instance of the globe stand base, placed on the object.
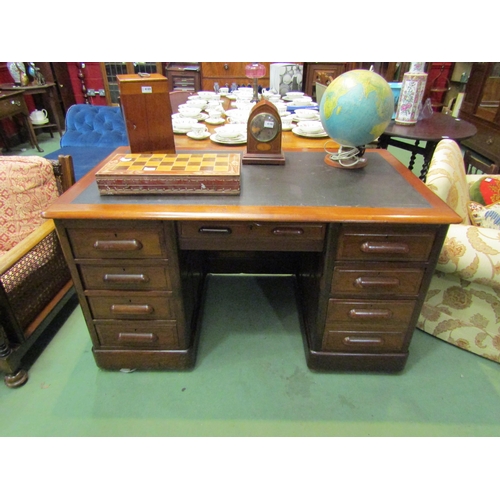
(361, 163)
(346, 157)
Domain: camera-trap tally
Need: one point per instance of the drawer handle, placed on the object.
(363, 340)
(489, 141)
(118, 245)
(125, 278)
(132, 309)
(369, 282)
(137, 337)
(215, 230)
(374, 247)
(370, 314)
(288, 231)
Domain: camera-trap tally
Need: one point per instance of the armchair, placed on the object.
(35, 283)
(462, 305)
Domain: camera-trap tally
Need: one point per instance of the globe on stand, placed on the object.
(355, 110)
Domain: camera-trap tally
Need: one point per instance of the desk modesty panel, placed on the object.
(362, 245)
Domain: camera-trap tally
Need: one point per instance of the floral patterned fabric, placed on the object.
(27, 187)
(462, 305)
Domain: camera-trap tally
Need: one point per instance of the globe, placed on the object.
(356, 108)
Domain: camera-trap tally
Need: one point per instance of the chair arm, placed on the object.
(472, 253)
(8, 259)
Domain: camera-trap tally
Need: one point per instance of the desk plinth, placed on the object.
(362, 246)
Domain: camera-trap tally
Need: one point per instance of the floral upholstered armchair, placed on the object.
(462, 305)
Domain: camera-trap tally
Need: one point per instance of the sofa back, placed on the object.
(94, 126)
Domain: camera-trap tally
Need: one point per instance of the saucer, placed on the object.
(215, 122)
(297, 131)
(288, 128)
(240, 139)
(297, 118)
(181, 130)
(198, 137)
(39, 123)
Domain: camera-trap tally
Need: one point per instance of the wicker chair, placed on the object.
(35, 283)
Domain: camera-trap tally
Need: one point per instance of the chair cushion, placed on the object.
(27, 187)
(486, 190)
(485, 216)
(94, 126)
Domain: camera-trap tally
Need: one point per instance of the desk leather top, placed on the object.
(304, 189)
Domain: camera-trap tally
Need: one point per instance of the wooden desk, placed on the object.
(48, 94)
(12, 104)
(432, 130)
(362, 245)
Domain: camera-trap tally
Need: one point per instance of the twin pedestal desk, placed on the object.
(362, 245)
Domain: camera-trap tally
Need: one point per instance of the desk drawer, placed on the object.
(126, 277)
(132, 307)
(395, 314)
(121, 243)
(360, 341)
(12, 105)
(198, 235)
(385, 243)
(369, 281)
(138, 334)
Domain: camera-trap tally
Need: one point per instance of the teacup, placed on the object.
(231, 131)
(306, 114)
(303, 101)
(286, 120)
(183, 124)
(310, 127)
(294, 95)
(189, 111)
(224, 90)
(199, 129)
(215, 114)
(195, 103)
(205, 94)
(239, 118)
(281, 106)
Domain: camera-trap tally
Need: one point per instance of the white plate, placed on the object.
(288, 128)
(206, 135)
(181, 131)
(296, 118)
(297, 131)
(237, 140)
(215, 122)
(200, 117)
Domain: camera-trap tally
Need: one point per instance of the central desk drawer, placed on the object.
(125, 277)
(132, 307)
(93, 243)
(138, 334)
(199, 235)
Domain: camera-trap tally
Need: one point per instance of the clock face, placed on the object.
(264, 127)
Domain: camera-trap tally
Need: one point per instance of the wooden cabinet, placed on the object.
(184, 76)
(227, 73)
(481, 106)
(323, 73)
(110, 71)
(146, 107)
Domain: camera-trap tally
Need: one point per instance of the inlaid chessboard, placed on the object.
(183, 173)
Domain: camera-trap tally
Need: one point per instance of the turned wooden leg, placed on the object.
(14, 380)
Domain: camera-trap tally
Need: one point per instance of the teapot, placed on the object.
(39, 116)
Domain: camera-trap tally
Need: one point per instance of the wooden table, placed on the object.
(432, 130)
(48, 94)
(290, 141)
(12, 104)
(362, 245)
